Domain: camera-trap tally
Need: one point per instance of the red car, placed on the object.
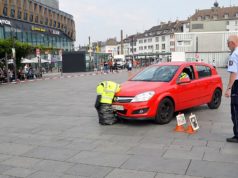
(158, 91)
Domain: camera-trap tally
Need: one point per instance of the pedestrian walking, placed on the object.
(214, 63)
(232, 87)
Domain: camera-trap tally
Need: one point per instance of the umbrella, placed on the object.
(35, 60)
(25, 61)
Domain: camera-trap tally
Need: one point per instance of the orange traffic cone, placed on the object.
(190, 130)
(179, 128)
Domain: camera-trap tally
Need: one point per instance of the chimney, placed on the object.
(122, 46)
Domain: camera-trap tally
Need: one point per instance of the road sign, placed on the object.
(197, 55)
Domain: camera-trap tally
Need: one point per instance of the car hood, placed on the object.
(132, 88)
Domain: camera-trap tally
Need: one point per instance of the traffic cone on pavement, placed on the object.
(189, 129)
(179, 128)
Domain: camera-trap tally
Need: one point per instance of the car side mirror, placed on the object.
(184, 80)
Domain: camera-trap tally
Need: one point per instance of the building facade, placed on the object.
(159, 41)
(215, 19)
(208, 34)
(204, 46)
(37, 22)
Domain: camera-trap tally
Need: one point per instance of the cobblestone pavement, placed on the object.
(49, 129)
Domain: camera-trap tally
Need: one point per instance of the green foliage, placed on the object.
(22, 49)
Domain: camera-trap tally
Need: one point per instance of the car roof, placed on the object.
(180, 63)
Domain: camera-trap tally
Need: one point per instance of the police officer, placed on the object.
(105, 94)
(232, 87)
(183, 75)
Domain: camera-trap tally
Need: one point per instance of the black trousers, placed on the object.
(234, 107)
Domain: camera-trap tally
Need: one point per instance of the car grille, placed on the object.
(123, 99)
(123, 112)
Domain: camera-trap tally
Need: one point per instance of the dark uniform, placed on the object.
(233, 67)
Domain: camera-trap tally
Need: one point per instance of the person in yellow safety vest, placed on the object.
(105, 94)
(183, 75)
(107, 90)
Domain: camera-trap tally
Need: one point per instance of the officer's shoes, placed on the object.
(232, 139)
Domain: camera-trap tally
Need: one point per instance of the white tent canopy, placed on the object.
(25, 61)
(32, 60)
(35, 60)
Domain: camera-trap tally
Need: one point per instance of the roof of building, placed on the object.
(218, 12)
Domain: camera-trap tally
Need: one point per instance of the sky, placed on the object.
(104, 19)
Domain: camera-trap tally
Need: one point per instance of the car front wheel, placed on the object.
(216, 99)
(165, 111)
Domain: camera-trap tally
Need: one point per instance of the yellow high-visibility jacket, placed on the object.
(107, 90)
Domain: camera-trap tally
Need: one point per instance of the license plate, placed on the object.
(118, 107)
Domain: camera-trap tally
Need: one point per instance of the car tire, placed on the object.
(216, 99)
(165, 111)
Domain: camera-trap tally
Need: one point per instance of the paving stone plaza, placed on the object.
(49, 129)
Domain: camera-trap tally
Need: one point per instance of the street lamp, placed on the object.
(13, 36)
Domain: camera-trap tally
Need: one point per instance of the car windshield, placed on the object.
(156, 74)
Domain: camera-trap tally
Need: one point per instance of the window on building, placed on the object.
(36, 19)
(145, 47)
(199, 18)
(180, 43)
(25, 16)
(236, 22)
(227, 22)
(41, 20)
(163, 38)
(46, 21)
(187, 43)
(171, 43)
(236, 14)
(172, 36)
(54, 24)
(163, 46)
(140, 41)
(157, 46)
(5, 11)
(149, 40)
(197, 26)
(31, 18)
(145, 40)
(157, 39)
(203, 71)
(1, 33)
(35, 5)
(19, 15)
(12, 13)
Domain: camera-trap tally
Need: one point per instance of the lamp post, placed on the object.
(14, 53)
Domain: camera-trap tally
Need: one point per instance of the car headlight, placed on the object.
(143, 96)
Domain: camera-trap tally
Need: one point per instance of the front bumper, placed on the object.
(137, 110)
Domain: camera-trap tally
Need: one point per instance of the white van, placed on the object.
(121, 61)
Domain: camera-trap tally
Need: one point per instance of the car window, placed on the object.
(203, 71)
(189, 71)
(157, 74)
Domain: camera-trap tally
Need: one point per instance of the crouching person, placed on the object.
(105, 94)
